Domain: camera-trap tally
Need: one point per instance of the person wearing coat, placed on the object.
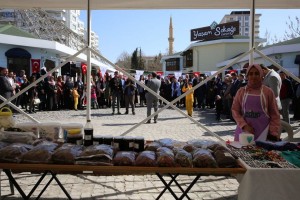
(189, 99)
(154, 84)
(255, 109)
(129, 95)
(6, 89)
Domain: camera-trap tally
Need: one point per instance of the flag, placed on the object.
(83, 68)
(35, 65)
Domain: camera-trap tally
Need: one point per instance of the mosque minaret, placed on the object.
(171, 38)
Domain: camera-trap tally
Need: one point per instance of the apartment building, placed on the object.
(245, 23)
(70, 19)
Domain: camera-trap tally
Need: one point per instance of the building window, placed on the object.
(246, 23)
(246, 29)
(172, 64)
(246, 18)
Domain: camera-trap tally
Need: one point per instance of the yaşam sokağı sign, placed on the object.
(219, 31)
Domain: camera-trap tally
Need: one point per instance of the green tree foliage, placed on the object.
(135, 59)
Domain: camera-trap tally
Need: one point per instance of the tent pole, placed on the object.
(89, 67)
(252, 31)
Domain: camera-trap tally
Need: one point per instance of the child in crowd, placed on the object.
(94, 102)
(189, 99)
(219, 107)
(75, 96)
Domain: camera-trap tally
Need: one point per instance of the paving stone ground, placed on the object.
(171, 124)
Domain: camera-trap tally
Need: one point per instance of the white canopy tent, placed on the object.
(150, 4)
(153, 4)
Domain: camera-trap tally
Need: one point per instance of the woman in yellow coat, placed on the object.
(189, 99)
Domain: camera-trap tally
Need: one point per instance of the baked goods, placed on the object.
(146, 158)
(183, 158)
(125, 158)
(67, 153)
(203, 158)
(41, 153)
(14, 152)
(165, 157)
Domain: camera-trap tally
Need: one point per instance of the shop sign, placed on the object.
(215, 32)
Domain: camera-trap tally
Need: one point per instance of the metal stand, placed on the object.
(173, 179)
(24, 196)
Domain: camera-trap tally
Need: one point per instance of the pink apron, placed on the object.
(255, 116)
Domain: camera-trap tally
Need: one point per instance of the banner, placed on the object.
(139, 72)
(137, 77)
(160, 73)
(35, 65)
(177, 74)
(196, 74)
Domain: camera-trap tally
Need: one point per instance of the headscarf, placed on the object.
(258, 84)
(51, 81)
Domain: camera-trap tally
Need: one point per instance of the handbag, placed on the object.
(36, 101)
(6, 118)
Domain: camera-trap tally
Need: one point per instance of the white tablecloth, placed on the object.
(270, 184)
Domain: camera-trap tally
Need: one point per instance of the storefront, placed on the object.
(212, 45)
(21, 51)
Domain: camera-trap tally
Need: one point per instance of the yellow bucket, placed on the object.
(5, 111)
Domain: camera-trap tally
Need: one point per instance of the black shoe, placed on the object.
(155, 121)
(148, 122)
(126, 113)
(133, 113)
(113, 113)
(119, 113)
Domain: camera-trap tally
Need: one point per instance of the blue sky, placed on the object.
(125, 30)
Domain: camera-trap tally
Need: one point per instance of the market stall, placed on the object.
(113, 170)
(164, 158)
(173, 171)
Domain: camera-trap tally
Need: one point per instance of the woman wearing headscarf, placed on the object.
(51, 94)
(254, 108)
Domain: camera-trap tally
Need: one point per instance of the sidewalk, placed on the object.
(171, 124)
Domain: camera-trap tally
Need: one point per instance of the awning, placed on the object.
(17, 53)
(149, 4)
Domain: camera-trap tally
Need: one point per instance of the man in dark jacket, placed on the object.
(286, 95)
(6, 89)
(116, 89)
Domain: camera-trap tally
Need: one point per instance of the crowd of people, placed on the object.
(116, 92)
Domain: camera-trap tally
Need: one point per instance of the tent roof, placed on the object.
(9, 29)
(150, 4)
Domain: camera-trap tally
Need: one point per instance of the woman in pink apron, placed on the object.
(254, 107)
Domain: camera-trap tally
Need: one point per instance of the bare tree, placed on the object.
(294, 29)
(124, 60)
(292, 32)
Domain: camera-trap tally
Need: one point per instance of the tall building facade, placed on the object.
(70, 18)
(245, 22)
